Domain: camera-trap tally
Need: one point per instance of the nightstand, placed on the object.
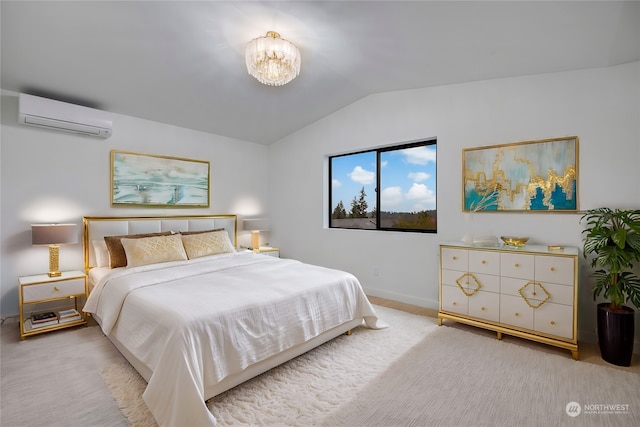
(41, 288)
(268, 250)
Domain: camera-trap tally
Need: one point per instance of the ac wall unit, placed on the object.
(49, 114)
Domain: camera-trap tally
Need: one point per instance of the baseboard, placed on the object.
(407, 299)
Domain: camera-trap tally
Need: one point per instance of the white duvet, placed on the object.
(193, 323)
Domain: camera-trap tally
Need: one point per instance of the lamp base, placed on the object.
(255, 240)
(54, 256)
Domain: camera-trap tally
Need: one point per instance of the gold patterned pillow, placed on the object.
(153, 250)
(211, 243)
(117, 257)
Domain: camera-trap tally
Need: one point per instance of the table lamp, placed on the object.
(53, 235)
(256, 226)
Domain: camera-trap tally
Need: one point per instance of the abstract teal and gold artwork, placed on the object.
(525, 176)
(158, 181)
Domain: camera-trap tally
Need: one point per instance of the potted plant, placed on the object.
(612, 236)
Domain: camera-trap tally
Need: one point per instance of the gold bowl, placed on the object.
(514, 241)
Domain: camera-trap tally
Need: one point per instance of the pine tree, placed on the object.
(359, 206)
(355, 209)
(339, 212)
(362, 204)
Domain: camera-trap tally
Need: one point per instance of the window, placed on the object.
(391, 188)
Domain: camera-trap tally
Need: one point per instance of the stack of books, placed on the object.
(69, 315)
(40, 320)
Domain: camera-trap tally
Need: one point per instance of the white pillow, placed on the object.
(153, 250)
(209, 243)
(101, 253)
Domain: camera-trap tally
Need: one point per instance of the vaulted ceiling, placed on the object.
(182, 62)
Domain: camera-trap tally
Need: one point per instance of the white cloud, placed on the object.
(418, 176)
(384, 163)
(362, 176)
(417, 192)
(336, 183)
(391, 196)
(422, 196)
(419, 155)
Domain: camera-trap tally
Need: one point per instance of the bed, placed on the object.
(196, 317)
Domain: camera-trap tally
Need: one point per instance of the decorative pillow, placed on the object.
(208, 243)
(186, 233)
(101, 253)
(153, 250)
(117, 257)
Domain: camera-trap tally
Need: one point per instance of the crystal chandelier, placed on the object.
(272, 60)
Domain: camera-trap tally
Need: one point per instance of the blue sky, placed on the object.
(408, 179)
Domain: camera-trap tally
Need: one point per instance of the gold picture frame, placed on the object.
(530, 176)
(158, 181)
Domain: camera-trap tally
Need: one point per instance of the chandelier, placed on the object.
(272, 60)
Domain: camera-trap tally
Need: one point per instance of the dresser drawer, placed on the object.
(454, 300)
(514, 311)
(450, 277)
(554, 319)
(511, 285)
(485, 305)
(517, 265)
(46, 291)
(558, 294)
(485, 262)
(454, 259)
(554, 270)
(488, 282)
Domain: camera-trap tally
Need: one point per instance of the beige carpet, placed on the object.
(53, 379)
(459, 378)
(300, 392)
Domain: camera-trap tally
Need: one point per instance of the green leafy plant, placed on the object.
(613, 237)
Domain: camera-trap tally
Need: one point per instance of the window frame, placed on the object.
(378, 153)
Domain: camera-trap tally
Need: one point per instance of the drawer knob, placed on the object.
(483, 309)
(553, 269)
(455, 303)
(517, 265)
(517, 314)
(455, 258)
(56, 289)
(484, 262)
(552, 322)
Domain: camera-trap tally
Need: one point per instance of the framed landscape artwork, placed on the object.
(158, 181)
(540, 176)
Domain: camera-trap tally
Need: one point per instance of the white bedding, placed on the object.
(194, 323)
(96, 274)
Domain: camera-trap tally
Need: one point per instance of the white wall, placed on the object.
(51, 176)
(600, 106)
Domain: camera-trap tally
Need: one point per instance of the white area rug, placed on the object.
(300, 392)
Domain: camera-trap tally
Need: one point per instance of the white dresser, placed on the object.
(528, 292)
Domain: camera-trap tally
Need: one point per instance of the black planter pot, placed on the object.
(616, 334)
